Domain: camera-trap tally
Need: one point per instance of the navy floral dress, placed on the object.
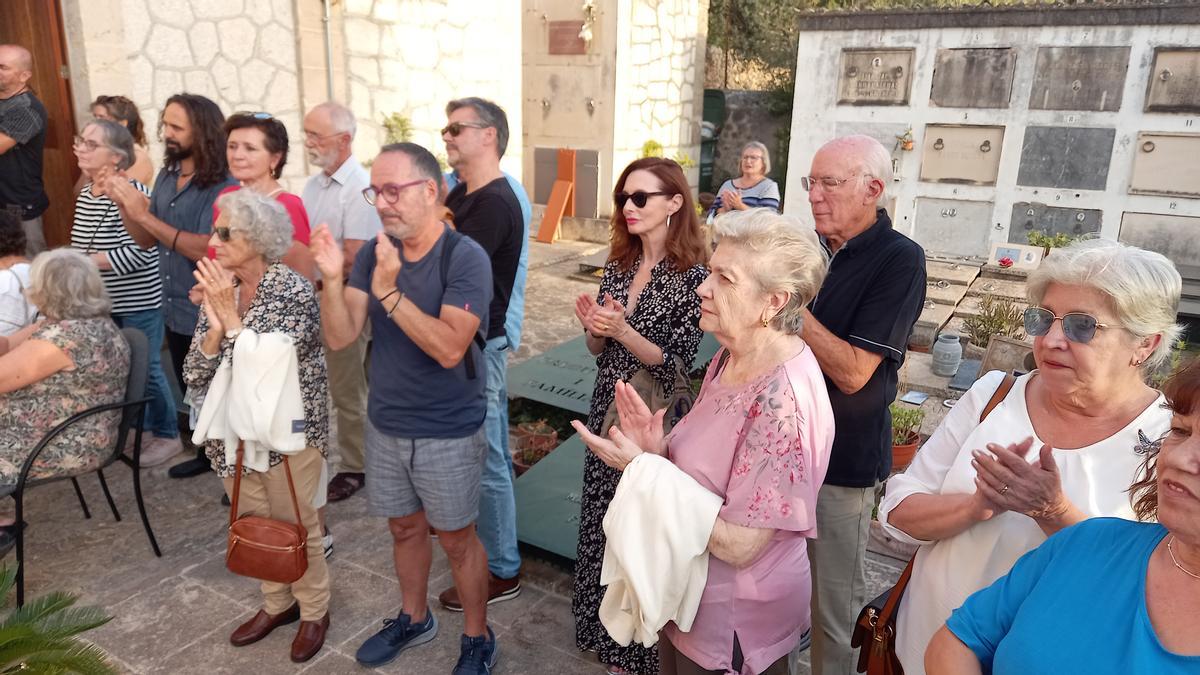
(668, 314)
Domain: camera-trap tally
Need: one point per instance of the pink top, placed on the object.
(764, 446)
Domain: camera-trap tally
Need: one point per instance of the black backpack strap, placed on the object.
(452, 239)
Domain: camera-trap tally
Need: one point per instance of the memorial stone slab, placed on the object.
(1166, 164)
(973, 78)
(933, 316)
(954, 226)
(885, 133)
(1176, 237)
(1050, 220)
(961, 153)
(1079, 78)
(1013, 290)
(548, 498)
(955, 273)
(875, 76)
(1174, 84)
(1066, 157)
(944, 292)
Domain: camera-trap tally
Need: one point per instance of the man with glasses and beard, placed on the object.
(858, 328)
(334, 197)
(426, 290)
(22, 140)
(178, 218)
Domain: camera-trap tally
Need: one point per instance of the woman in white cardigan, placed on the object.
(1063, 446)
(248, 288)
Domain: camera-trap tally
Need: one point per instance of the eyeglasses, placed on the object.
(456, 128)
(80, 142)
(746, 157)
(223, 233)
(827, 182)
(389, 191)
(638, 198)
(1076, 326)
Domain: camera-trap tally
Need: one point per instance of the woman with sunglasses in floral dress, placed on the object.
(646, 315)
(1063, 446)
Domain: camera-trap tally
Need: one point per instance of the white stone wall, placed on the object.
(413, 56)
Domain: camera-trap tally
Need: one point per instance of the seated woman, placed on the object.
(758, 436)
(73, 360)
(1107, 595)
(1060, 448)
(16, 310)
(247, 287)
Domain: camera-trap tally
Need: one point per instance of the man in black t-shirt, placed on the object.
(22, 140)
(858, 329)
(486, 209)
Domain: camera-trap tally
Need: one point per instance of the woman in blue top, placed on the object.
(752, 189)
(1107, 595)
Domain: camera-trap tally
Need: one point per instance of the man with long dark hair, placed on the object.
(178, 218)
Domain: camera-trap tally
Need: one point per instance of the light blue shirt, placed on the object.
(1075, 604)
(516, 302)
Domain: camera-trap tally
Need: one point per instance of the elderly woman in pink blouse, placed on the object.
(758, 436)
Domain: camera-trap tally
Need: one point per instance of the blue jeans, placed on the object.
(160, 414)
(497, 524)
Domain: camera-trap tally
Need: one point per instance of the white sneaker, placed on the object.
(327, 542)
(159, 450)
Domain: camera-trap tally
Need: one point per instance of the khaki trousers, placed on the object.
(267, 495)
(348, 388)
(837, 558)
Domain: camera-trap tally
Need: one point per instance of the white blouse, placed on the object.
(1095, 478)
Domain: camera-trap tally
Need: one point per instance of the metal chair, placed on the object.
(133, 411)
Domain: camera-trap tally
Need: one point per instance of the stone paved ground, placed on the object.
(174, 614)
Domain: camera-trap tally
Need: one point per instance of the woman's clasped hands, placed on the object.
(638, 430)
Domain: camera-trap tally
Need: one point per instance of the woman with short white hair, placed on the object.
(758, 436)
(1063, 446)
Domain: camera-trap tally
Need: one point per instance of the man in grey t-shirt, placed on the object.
(22, 141)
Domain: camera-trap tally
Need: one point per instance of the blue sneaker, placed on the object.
(477, 655)
(397, 635)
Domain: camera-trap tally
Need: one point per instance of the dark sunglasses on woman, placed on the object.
(223, 233)
(1076, 326)
(638, 198)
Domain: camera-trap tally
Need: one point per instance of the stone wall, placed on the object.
(746, 119)
(413, 56)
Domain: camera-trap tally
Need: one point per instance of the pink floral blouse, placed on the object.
(764, 446)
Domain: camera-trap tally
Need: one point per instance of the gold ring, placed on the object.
(1004, 489)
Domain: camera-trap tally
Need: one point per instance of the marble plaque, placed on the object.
(564, 38)
(1079, 78)
(1177, 237)
(875, 76)
(1066, 157)
(1050, 220)
(954, 226)
(961, 153)
(1174, 80)
(973, 78)
(1166, 164)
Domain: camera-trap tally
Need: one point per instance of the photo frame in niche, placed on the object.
(1023, 257)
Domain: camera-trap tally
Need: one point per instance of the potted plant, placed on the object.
(534, 440)
(44, 635)
(997, 316)
(906, 434)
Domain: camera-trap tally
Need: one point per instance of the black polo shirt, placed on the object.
(871, 298)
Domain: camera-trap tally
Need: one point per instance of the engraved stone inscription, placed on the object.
(1174, 81)
(959, 153)
(1079, 78)
(953, 226)
(875, 76)
(1166, 164)
(973, 78)
(1066, 157)
(1050, 220)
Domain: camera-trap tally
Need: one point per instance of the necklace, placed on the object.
(1181, 567)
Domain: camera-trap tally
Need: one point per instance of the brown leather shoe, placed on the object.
(261, 626)
(344, 485)
(309, 639)
(499, 590)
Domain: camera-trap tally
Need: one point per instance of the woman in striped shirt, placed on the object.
(130, 273)
(752, 189)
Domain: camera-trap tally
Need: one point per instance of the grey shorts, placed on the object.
(439, 476)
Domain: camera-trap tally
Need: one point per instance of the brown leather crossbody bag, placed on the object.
(264, 548)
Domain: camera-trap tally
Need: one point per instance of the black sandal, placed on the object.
(344, 485)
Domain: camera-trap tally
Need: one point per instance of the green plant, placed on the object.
(906, 423)
(399, 128)
(997, 316)
(42, 636)
(1049, 241)
(652, 148)
(1160, 374)
(684, 160)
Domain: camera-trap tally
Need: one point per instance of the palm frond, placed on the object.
(41, 637)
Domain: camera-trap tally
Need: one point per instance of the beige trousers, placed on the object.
(348, 388)
(837, 557)
(267, 495)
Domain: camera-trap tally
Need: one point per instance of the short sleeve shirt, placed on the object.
(411, 394)
(492, 217)
(23, 119)
(871, 298)
(337, 201)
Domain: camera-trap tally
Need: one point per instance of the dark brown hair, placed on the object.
(122, 109)
(1183, 396)
(685, 243)
(208, 139)
(275, 136)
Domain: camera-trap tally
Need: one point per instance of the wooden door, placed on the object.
(37, 26)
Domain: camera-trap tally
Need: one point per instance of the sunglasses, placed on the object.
(456, 128)
(1076, 326)
(223, 234)
(389, 191)
(255, 115)
(638, 198)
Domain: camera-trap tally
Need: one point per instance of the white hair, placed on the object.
(341, 117)
(263, 221)
(64, 284)
(786, 254)
(1144, 286)
(869, 158)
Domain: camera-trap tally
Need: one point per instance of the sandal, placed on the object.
(344, 485)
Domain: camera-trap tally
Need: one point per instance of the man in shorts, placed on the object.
(426, 290)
